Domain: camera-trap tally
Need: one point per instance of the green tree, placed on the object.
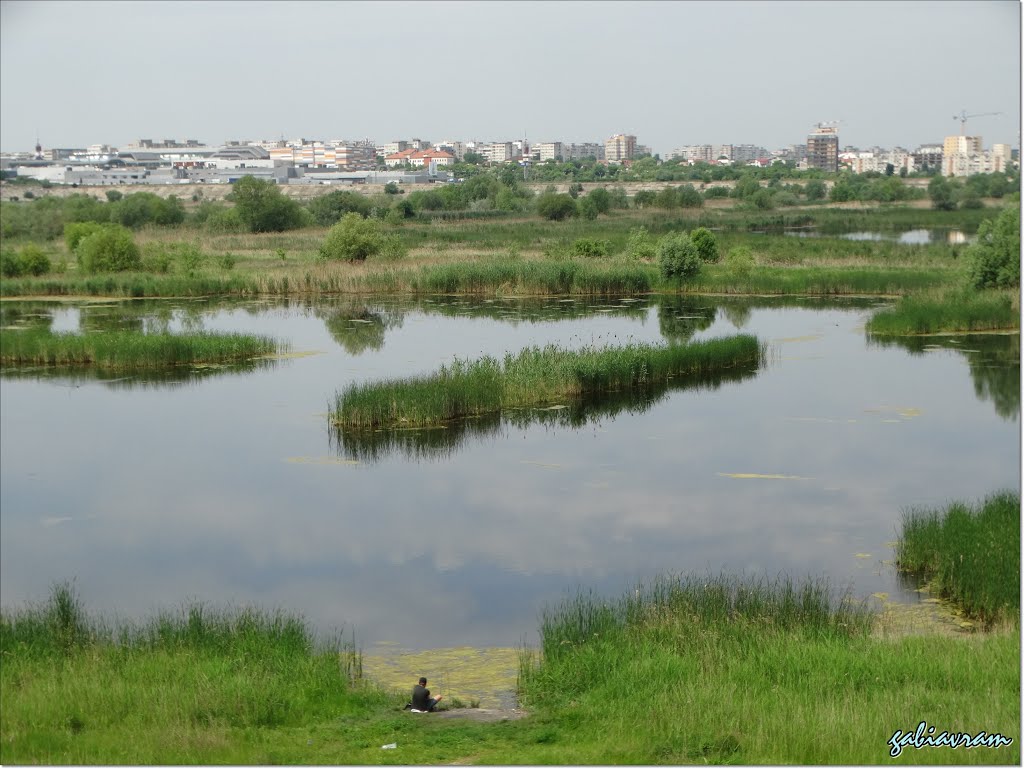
(815, 189)
(689, 197)
(667, 198)
(74, 232)
(601, 199)
(746, 187)
(993, 261)
(587, 208)
(328, 209)
(551, 205)
(113, 196)
(262, 207)
(706, 243)
(942, 193)
(109, 249)
(678, 257)
(644, 199)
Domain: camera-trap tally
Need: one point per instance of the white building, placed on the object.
(550, 151)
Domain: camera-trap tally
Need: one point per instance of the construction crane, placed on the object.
(962, 117)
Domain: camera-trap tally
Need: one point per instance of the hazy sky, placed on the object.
(672, 73)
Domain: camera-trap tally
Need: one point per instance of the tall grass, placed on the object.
(78, 687)
(818, 281)
(964, 310)
(737, 670)
(533, 377)
(127, 350)
(433, 443)
(970, 553)
(693, 604)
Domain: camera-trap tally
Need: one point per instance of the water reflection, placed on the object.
(680, 317)
(358, 328)
(178, 376)
(433, 444)
(993, 360)
(909, 237)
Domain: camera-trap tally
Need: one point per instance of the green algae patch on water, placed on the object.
(468, 674)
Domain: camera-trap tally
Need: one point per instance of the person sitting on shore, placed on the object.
(421, 699)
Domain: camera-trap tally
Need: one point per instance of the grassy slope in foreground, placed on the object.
(948, 312)
(120, 350)
(534, 376)
(970, 553)
(713, 670)
(728, 670)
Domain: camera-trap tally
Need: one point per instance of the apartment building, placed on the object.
(620, 148)
(497, 152)
(823, 147)
(586, 150)
(550, 151)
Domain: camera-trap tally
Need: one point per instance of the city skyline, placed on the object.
(671, 74)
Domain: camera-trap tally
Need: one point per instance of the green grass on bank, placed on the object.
(535, 376)
(127, 350)
(963, 310)
(723, 669)
(969, 553)
(713, 669)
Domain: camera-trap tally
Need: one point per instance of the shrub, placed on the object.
(688, 197)
(640, 245)
(227, 261)
(601, 199)
(225, 220)
(262, 207)
(678, 257)
(740, 261)
(551, 205)
(155, 258)
(392, 188)
(34, 260)
(74, 232)
(10, 263)
(587, 208)
(328, 209)
(815, 189)
(644, 199)
(590, 247)
(353, 239)
(706, 244)
(717, 191)
(110, 249)
(113, 196)
(993, 261)
(143, 208)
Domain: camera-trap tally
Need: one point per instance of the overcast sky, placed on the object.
(672, 73)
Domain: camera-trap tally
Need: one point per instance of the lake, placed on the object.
(228, 486)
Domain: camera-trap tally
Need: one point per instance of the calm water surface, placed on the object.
(227, 485)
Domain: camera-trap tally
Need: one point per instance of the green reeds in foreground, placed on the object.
(955, 311)
(534, 376)
(694, 604)
(970, 554)
(125, 350)
(731, 670)
(170, 689)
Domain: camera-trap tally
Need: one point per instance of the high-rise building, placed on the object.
(823, 147)
(619, 148)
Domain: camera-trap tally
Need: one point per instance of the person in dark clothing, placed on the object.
(421, 699)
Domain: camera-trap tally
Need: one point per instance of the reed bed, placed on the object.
(969, 553)
(535, 376)
(933, 312)
(694, 603)
(128, 350)
(819, 281)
